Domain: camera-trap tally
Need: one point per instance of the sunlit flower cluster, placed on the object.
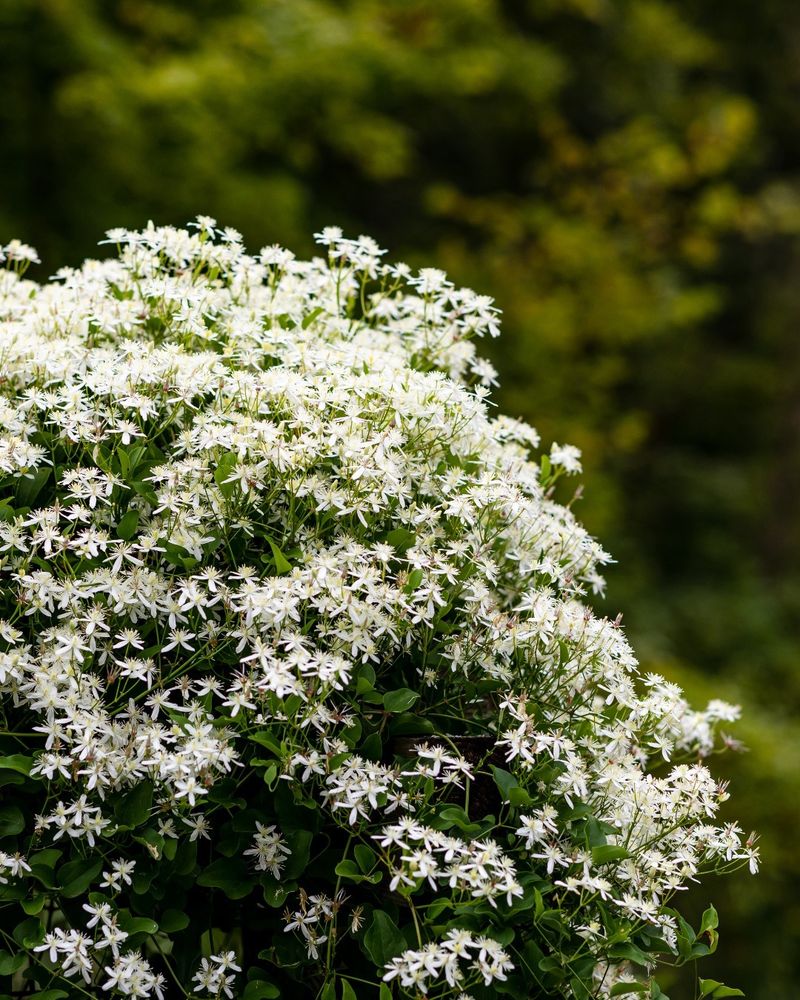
(477, 867)
(443, 959)
(252, 501)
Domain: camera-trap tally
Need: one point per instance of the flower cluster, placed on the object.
(73, 952)
(358, 787)
(217, 974)
(269, 850)
(289, 617)
(416, 969)
(479, 868)
(312, 918)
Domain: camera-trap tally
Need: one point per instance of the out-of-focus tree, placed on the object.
(621, 174)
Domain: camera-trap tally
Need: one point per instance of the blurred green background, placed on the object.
(622, 175)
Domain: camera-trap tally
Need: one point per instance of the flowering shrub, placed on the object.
(300, 694)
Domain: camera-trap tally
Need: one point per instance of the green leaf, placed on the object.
(153, 841)
(595, 834)
(185, 855)
(349, 870)
(399, 700)
(9, 964)
(223, 471)
(282, 564)
(228, 874)
(372, 747)
(126, 528)
(401, 539)
(629, 950)
(620, 989)
(365, 679)
(409, 724)
(142, 880)
(259, 989)
(43, 866)
(608, 852)
(29, 933)
(519, 797)
(365, 857)
(715, 989)
(135, 454)
(49, 995)
(709, 921)
(76, 876)
(454, 814)
(552, 919)
(579, 811)
(415, 578)
(299, 842)
(16, 762)
(348, 993)
(12, 821)
(310, 317)
(124, 463)
(35, 905)
(134, 809)
(434, 910)
(382, 939)
(580, 989)
(708, 925)
(502, 935)
(298, 818)
(172, 921)
(266, 739)
(275, 894)
(504, 781)
(685, 939)
(138, 925)
(146, 491)
(29, 489)
(385, 993)
(553, 967)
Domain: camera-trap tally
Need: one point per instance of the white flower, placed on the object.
(566, 456)
(269, 850)
(121, 874)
